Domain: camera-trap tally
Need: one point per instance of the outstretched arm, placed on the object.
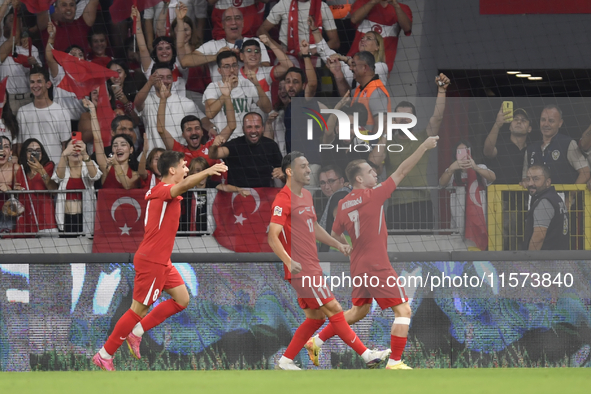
(161, 118)
(193, 180)
(145, 58)
(407, 165)
(442, 83)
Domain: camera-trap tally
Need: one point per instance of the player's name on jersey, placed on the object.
(352, 203)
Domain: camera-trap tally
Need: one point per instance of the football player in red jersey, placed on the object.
(361, 214)
(154, 271)
(293, 232)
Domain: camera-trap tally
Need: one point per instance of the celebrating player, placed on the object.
(154, 272)
(293, 232)
(361, 214)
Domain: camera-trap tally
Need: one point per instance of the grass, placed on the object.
(455, 381)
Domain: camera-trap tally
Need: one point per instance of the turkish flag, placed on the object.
(119, 221)
(513, 7)
(2, 94)
(37, 6)
(476, 229)
(242, 222)
(121, 9)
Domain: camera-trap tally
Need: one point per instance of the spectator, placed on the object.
(340, 65)
(74, 212)
(504, 157)
(116, 168)
(198, 77)
(252, 12)
(121, 124)
(43, 119)
(163, 52)
(70, 31)
(293, 17)
(8, 168)
(558, 152)
(35, 173)
(157, 25)
(546, 222)
(245, 93)
(386, 17)
(148, 167)
(253, 160)
(98, 42)
(17, 86)
(197, 140)
(132, 55)
(333, 186)
(232, 22)
(8, 124)
(147, 102)
(412, 209)
(67, 100)
(250, 56)
(124, 88)
(585, 147)
(275, 124)
(464, 172)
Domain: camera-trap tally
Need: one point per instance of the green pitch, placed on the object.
(436, 381)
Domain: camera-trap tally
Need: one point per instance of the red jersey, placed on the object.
(69, 33)
(361, 214)
(203, 151)
(161, 223)
(298, 232)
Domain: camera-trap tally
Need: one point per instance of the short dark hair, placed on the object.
(297, 70)
(40, 70)
(121, 63)
(253, 113)
(406, 104)
(168, 159)
(368, 58)
(250, 43)
(192, 118)
(288, 159)
(159, 65)
(361, 111)
(95, 31)
(353, 169)
(118, 119)
(225, 55)
(553, 106)
(544, 169)
(331, 167)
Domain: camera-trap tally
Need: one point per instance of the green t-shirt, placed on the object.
(417, 176)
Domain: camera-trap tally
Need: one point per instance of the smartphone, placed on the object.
(36, 155)
(76, 136)
(238, 44)
(508, 106)
(463, 154)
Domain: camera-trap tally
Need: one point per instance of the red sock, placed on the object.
(162, 312)
(327, 333)
(301, 336)
(344, 331)
(121, 331)
(397, 344)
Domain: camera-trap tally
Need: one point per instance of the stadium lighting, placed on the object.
(513, 72)
(535, 78)
(523, 75)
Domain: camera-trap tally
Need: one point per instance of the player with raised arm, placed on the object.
(293, 232)
(154, 271)
(361, 214)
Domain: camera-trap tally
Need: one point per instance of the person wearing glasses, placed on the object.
(332, 184)
(246, 95)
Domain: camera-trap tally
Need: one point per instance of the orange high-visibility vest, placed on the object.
(362, 96)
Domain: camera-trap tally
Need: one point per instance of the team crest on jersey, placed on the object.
(277, 211)
(555, 154)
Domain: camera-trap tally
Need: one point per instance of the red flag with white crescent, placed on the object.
(242, 222)
(476, 229)
(119, 221)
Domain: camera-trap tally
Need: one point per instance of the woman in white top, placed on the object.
(372, 42)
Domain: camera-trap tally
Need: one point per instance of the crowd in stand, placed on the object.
(215, 79)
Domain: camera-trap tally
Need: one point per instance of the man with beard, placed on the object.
(253, 160)
(546, 222)
(198, 142)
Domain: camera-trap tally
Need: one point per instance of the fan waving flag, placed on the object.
(121, 9)
(242, 222)
(2, 94)
(119, 221)
(37, 6)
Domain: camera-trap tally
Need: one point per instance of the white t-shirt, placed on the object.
(279, 131)
(178, 86)
(280, 13)
(265, 78)
(177, 107)
(195, 9)
(65, 99)
(4, 132)
(18, 83)
(49, 125)
(212, 47)
(244, 97)
(80, 7)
